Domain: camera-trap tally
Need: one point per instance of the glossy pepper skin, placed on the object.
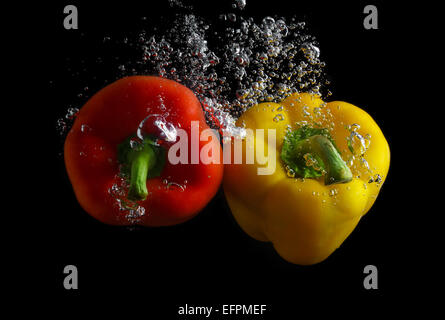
(105, 125)
(305, 219)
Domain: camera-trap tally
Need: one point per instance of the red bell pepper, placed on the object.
(116, 154)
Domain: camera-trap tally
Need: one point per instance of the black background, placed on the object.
(209, 260)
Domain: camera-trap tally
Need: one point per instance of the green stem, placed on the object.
(336, 169)
(139, 162)
(142, 161)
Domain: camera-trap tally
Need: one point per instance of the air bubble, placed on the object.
(240, 4)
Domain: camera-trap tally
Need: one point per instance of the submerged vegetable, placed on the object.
(313, 200)
(116, 154)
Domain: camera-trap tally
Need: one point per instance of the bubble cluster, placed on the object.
(230, 64)
(178, 4)
(358, 144)
(250, 62)
(269, 61)
(311, 161)
(131, 210)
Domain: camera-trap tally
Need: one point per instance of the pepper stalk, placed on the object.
(318, 143)
(140, 161)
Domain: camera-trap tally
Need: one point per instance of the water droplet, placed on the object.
(278, 117)
(177, 186)
(85, 128)
(71, 113)
(231, 17)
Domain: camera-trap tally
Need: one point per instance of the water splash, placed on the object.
(251, 62)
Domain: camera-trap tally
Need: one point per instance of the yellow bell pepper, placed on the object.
(331, 161)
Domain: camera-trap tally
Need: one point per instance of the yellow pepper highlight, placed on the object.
(307, 219)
